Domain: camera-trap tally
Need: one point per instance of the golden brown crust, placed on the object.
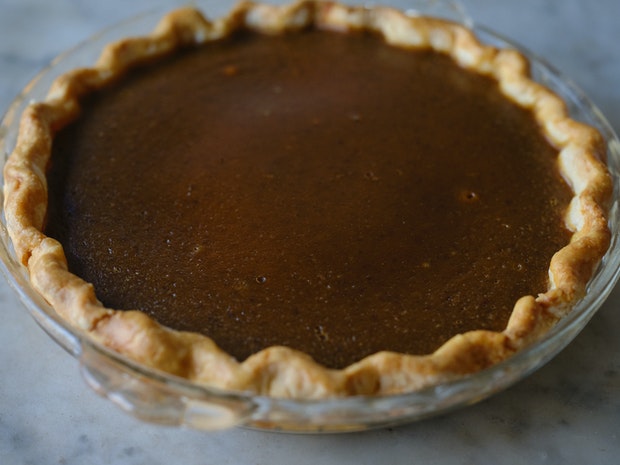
(279, 371)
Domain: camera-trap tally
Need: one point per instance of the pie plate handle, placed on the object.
(160, 400)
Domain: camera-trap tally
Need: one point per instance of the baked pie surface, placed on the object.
(277, 370)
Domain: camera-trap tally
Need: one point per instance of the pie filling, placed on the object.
(317, 190)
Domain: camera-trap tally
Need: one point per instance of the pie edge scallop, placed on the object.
(280, 371)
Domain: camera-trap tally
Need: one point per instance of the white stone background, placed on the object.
(567, 412)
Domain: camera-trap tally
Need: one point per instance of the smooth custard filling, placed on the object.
(317, 190)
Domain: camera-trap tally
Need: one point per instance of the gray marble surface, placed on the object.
(568, 412)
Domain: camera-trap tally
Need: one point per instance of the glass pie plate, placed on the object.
(161, 398)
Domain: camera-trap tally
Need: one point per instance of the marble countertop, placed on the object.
(567, 412)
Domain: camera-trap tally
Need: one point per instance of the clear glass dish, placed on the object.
(160, 398)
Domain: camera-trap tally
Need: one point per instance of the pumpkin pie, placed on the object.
(308, 201)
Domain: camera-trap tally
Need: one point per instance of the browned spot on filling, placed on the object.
(317, 190)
